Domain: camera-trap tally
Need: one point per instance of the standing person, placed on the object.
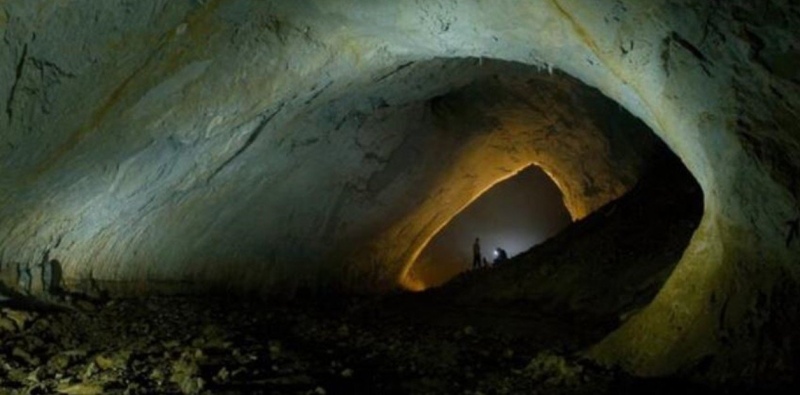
(476, 253)
(794, 230)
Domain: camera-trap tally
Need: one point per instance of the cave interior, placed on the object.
(284, 197)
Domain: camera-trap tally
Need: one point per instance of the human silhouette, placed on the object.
(500, 255)
(54, 277)
(794, 230)
(476, 253)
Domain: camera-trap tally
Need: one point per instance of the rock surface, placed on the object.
(217, 346)
(464, 338)
(266, 144)
(345, 194)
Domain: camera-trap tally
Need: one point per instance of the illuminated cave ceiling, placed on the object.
(309, 143)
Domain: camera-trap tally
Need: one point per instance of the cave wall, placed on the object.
(550, 121)
(321, 171)
(123, 148)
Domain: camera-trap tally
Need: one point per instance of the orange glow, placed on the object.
(410, 283)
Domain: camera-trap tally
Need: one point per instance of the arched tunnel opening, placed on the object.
(241, 196)
(515, 214)
(566, 284)
(581, 284)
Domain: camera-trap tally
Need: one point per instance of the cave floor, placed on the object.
(358, 345)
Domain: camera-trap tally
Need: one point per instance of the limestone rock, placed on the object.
(274, 146)
(19, 317)
(7, 325)
(80, 389)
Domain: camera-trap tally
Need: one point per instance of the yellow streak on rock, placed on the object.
(199, 28)
(586, 37)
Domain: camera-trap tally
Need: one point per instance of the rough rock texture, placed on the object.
(337, 183)
(208, 347)
(163, 140)
(474, 335)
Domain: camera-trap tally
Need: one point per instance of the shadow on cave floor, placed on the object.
(513, 329)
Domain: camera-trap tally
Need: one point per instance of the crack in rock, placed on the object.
(17, 78)
(250, 140)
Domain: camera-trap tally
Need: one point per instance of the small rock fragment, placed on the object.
(80, 389)
(20, 318)
(343, 331)
(25, 356)
(7, 325)
(222, 375)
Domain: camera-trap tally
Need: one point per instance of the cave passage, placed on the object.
(515, 214)
(160, 161)
(347, 202)
(598, 271)
(516, 328)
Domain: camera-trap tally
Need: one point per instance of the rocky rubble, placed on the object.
(217, 346)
